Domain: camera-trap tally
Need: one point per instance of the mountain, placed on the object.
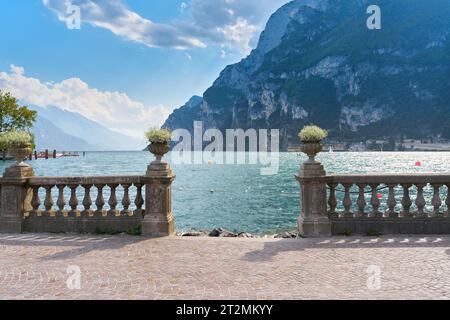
(78, 130)
(184, 116)
(50, 137)
(318, 62)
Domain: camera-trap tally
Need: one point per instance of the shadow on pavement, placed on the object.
(76, 244)
(272, 248)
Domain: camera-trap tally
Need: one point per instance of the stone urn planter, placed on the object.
(159, 145)
(19, 145)
(312, 137)
(311, 148)
(20, 153)
(159, 149)
(159, 167)
(312, 167)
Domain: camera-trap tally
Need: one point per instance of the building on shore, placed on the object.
(357, 147)
(338, 146)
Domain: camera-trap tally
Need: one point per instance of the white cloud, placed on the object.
(17, 70)
(235, 24)
(115, 110)
(114, 16)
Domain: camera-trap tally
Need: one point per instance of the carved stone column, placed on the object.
(313, 220)
(15, 197)
(158, 220)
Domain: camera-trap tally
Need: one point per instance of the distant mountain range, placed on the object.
(317, 62)
(69, 131)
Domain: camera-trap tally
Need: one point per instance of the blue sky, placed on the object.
(132, 61)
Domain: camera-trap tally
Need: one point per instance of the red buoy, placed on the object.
(418, 163)
(379, 196)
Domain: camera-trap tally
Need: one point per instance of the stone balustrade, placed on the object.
(80, 203)
(67, 202)
(107, 204)
(393, 192)
(372, 203)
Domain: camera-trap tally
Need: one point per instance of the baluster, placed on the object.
(73, 202)
(48, 202)
(436, 201)
(27, 207)
(87, 202)
(375, 202)
(61, 202)
(391, 203)
(420, 201)
(126, 201)
(406, 201)
(332, 199)
(347, 202)
(100, 201)
(361, 202)
(113, 201)
(447, 202)
(139, 201)
(36, 201)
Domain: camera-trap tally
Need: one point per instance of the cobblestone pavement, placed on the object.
(125, 267)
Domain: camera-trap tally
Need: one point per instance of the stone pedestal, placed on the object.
(313, 220)
(158, 220)
(15, 197)
(314, 169)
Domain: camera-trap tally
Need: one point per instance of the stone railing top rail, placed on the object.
(391, 178)
(86, 180)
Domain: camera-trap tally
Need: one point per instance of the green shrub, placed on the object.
(158, 135)
(135, 231)
(312, 133)
(108, 231)
(346, 232)
(373, 233)
(16, 139)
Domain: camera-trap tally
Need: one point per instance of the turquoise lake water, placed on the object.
(242, 198)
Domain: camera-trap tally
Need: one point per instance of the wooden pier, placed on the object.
(43, 155)
(46, 155)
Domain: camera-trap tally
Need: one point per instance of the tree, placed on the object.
(14, 117)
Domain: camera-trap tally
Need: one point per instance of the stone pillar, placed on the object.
(313, 220)
(158, 220)
(15, 197)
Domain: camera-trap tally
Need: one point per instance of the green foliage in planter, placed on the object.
(16, 139)
(312, 133)
(158, 135)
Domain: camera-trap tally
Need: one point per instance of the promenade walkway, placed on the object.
(45, 266)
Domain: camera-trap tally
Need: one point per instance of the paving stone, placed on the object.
(126, 267)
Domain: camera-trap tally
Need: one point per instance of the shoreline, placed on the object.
(223, 233)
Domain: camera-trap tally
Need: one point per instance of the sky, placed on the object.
(130, 62)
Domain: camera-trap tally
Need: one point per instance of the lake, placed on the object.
(238, 197)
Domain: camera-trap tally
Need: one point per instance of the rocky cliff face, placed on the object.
(317, 62)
